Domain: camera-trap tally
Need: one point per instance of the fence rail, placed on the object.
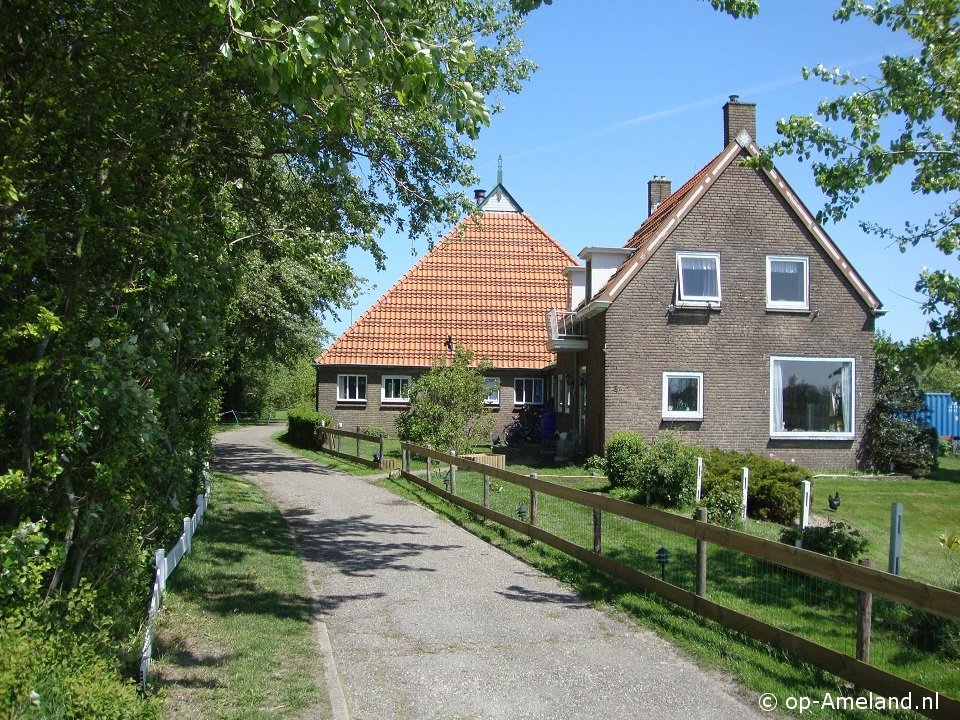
(166, 563)
(332, 444)
(863, 579)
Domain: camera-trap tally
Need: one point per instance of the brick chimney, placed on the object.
(738, 116)
(658, 190)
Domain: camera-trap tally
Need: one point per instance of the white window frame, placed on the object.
(797, 305)
(384, 380)
(493, 391)
(344, 383)
(534, 381)
(669, 414)
(684, 300)
(779, 433)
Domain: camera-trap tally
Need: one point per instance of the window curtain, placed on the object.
(787, 280)
(846, 396)
(699, 277)
(776, 400)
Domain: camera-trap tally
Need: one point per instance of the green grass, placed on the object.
(235, 638)
(819, 610)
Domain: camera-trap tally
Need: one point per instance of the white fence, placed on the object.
(166, 564)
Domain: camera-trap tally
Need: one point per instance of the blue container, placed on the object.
(942, 412)
(548, 424)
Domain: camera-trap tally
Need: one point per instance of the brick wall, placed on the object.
(373, 413)
(744, 219)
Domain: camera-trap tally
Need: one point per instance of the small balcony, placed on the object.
(564, 331)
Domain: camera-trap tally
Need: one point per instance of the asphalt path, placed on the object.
(419, 619)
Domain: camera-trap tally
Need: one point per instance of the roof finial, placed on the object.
(499, 169)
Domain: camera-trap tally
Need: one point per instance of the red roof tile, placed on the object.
(486, 285)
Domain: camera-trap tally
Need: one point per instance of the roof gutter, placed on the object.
(594, 307)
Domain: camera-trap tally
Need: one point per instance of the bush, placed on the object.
(722, 503)
(839, 539)
(774, 491)
(901, 445)
(933, 633)
(374, 431)
(304, 426)
(624, 453)
(595, 464)
(668, 471)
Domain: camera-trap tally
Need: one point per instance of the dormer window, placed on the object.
(698, 279)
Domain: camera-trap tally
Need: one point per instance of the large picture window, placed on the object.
(395, 389)
(787, 283)
(351, 388)
(812, 398)
(528, 391)
(698, 278)
(682, 396)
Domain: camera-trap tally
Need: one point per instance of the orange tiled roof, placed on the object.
(487, 286)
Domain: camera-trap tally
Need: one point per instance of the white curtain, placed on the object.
(699, 277)
(846, 390)
(776, 400)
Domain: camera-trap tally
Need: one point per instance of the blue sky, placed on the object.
(627, 90)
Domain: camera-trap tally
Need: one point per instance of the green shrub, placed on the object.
(895, 443)
(304, 426)
(668, 471)
(374, 431)
(595, 464)
(933, 633)
(944, 447)
(723, 504)
(839, 539)
(624, 454)
(774, 491)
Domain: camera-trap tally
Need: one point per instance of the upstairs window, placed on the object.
(528, 391)
(395, 389)
(682, 396)
(493, 391)
(698, 278)
(787, 283)
(351, 388)
(812, 398)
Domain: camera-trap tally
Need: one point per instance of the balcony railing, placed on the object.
(564, 331)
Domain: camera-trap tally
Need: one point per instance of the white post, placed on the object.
(699, 478)
(160, 559)
(746, 484)
(804, 504)
(187, 535)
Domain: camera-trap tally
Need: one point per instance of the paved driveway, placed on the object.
(424, 620)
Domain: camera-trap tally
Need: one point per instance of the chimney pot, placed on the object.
(479, 195)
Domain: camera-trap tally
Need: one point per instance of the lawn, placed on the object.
(235, 638)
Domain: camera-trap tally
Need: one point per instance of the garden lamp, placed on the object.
(663, 557)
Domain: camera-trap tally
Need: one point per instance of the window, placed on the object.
(351, 388)
(811, 398)
(682, 396)
(787, 282)
(493, 391)
(561, 394)
(698, 278)
(395, 389)
(528, 391)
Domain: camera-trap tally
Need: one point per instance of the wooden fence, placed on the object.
(332, 443)
(166, 563)
(929, 598)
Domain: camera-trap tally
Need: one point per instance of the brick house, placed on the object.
(486, 285)
(729, 316)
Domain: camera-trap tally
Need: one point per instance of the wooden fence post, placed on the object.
(486, 490)
(453, 475)
(358, 441)
(429, 466)
(381, 452)
(701, 557)
(405, 460)
(804, 504)
(699, 495)
(533, 504)
(597, 548)
(864, 620)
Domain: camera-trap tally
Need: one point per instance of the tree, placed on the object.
(891, 440)
(908, 116)
(447, 408)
